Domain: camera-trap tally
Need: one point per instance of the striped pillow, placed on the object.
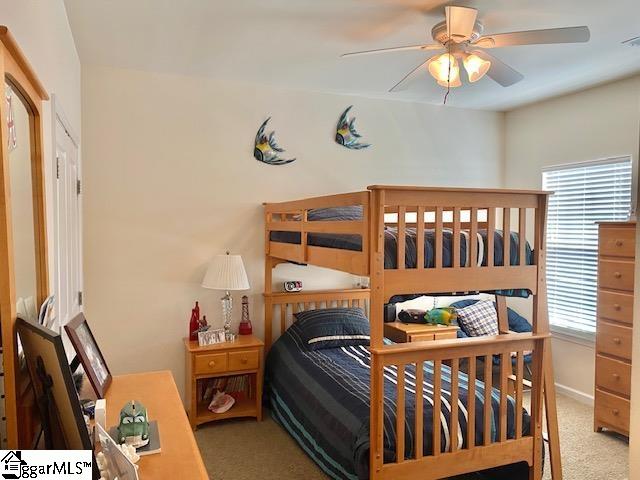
(479, 319)
(333, 327)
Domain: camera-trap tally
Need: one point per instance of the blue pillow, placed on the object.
(333, 327)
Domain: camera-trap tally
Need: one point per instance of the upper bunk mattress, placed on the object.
(321, 398)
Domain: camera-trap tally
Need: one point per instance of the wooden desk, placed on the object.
(180, 456)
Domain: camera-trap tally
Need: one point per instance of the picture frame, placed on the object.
(118, 465)
(89, 354)
(211, 337)
(61, 417)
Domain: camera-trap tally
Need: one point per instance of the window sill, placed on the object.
(585, 339)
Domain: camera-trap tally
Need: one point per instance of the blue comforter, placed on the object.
(321, 398)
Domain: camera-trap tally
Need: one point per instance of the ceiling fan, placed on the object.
(460, 36)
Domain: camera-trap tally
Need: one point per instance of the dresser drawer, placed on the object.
(613, 375)
(612, 410)
(615, 274)
(614, 340)
(210, 363)
(617, 242)
(244, 360)
(615, 306)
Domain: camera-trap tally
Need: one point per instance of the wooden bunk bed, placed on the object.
(416, 212)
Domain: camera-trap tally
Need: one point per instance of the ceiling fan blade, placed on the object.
(460, 22)
(434, 46)
(402, 84)
(536, 37)
(499, 71)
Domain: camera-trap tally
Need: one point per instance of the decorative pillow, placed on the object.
(479, 319)
(333, 327)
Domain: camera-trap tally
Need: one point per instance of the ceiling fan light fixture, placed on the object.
(454, 82)
(476, 67)
(444, 68)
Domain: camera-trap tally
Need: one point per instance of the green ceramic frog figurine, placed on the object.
(441, 316)
(134, 425)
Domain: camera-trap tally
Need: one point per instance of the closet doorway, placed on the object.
(68, 222)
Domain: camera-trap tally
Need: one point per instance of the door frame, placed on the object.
(58, 115)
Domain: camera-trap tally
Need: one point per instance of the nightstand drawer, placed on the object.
(613, 375)
(445, 335)
(243, 360)
(210, 363)
(421, 337)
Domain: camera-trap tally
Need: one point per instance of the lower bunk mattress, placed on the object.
(321, 398)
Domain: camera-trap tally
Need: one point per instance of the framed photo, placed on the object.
(211, 337)
(89, 354)
(61, 416)
(117, 465)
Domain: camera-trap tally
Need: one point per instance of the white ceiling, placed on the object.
(297, 43)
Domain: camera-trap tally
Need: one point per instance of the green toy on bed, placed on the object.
(435, 316)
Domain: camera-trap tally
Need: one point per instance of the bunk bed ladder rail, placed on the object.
(430, 457)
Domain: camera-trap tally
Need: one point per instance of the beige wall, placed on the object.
(591, 124)
(170, 181)
(42, 31)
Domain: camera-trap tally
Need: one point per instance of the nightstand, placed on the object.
(418, 332)
(241, 357)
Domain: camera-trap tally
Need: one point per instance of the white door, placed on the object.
(68, 245)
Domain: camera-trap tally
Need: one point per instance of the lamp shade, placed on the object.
(226, 272)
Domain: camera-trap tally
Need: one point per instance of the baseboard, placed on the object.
(575, 394)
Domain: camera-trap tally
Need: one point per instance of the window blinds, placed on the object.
(585, 193)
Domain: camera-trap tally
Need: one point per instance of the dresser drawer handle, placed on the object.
(616, 376)
(616, 306)
(243, 361)
(212, 363)
(618, 243)
(615, 411)
(616, 341)
(617, 275)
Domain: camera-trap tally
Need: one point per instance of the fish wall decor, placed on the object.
(346, 134)
(266, 149)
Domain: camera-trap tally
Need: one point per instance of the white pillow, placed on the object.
(479, 319)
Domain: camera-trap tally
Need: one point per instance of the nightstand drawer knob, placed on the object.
(617, 274)
(619, 243)
(615, 411)
(616, 306)
(212, 363)
(615, 376)
(616, 341)
(243, 361)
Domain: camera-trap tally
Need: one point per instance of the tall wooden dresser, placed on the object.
(616, 259)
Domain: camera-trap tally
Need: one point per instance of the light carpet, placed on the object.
(247, 450)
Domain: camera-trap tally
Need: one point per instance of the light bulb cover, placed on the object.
(476, 67)
(444, 68)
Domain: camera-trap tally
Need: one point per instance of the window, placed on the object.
(585, 193)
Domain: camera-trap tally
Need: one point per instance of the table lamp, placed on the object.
(226, 272)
